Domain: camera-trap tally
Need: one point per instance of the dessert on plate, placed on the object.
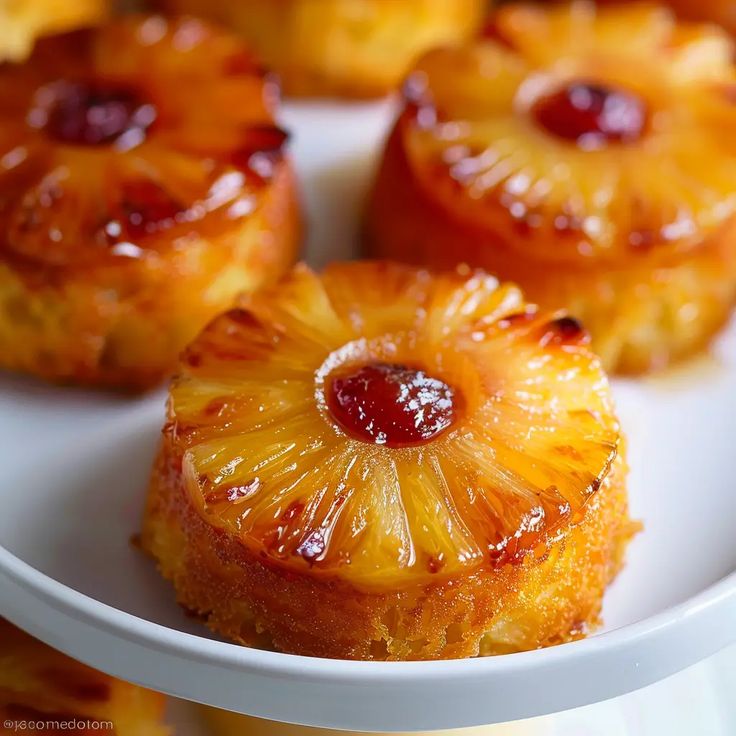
(43, 691)
(143, 185)
(22, 21)
(583, 153)
(381, 463)
(351, 48)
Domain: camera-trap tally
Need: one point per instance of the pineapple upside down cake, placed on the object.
(143, 185)
(351, 48)
(43, 691)
(585, 153)
(380, 463)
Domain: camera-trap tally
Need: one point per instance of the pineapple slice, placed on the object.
(142, 186)
(43, 691)
(351, 48)
(584, 154)
(382, 463)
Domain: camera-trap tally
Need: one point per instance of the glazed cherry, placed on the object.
(564, 330)
(147, 208)
(592, 114)
(391, 405)
(81, 113)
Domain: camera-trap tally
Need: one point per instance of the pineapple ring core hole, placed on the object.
(379, 398)
(91, 113)
(592, 114)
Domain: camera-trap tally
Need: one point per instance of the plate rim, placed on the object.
(617, 645)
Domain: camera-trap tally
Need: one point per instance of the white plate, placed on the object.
(74, 474)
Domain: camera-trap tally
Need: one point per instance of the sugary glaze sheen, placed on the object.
(143, 184)
(491, 521)
(40, 687)
(350, 48)
(584, 154)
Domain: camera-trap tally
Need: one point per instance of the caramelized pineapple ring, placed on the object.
(584, 153)
(142, 186)
(351, 48)
(385, 434)
(39, 685)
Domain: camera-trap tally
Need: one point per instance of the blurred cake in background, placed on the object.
(720, 12)
(144, 184)
(225, 723)
(350, 48)
(45, 692)
(585, 153)
(22, 21)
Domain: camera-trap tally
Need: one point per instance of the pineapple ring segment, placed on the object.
(264, 460)
(491, 138)
(103, 156)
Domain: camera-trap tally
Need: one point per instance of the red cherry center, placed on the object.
(391, 405)
(592, 114)
(146, 208)
(92, 114)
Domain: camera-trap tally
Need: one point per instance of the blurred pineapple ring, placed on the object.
(39, 685)
(642, 316)
(635, 237)
(22, 21)
(282, 530)
(136, 198)
(352, 48)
